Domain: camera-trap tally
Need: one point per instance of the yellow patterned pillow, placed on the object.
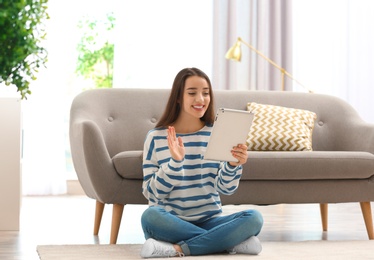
(277, 128)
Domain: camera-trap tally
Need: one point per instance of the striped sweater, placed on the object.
(190, 188)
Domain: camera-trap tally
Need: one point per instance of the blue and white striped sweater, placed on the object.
(189, 188)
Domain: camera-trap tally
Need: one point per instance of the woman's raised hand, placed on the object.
(175, 144)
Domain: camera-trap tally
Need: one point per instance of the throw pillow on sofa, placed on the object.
(277, 128)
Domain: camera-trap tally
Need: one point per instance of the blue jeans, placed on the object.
(215, 235)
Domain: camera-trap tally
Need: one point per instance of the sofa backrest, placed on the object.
(126, 115)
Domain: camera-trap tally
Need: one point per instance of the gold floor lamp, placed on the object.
(235, 53)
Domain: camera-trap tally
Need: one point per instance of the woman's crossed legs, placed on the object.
(215, 235)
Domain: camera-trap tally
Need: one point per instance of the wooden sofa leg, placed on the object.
(116, 222)
(98, 216)
(366, 212)
(324, 215)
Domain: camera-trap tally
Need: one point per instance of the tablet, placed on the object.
(230, 128)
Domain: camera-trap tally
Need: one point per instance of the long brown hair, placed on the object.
(173, 107)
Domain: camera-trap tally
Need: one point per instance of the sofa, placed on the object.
(108, 128)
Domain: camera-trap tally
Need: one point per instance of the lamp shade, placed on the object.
(235, 52)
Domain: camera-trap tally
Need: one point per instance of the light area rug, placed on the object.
(322, 249)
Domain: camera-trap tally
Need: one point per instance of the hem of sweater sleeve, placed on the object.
(173, 168)
(231, 169)
(175, 165)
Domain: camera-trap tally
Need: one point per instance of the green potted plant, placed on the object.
(21, 35)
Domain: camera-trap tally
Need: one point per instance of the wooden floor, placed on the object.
(69, 220)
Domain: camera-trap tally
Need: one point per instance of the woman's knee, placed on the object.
(151, 215)
(259, 219)
(258, 216)
(256, 220)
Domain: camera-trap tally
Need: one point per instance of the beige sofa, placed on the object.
(108, 129)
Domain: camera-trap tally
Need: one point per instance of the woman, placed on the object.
(184, 217)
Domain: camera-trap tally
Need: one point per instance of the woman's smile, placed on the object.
(198, 107)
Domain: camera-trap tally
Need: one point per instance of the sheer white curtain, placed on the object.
(333, 49)
(156, 39)
(266, 25)
(46, 112)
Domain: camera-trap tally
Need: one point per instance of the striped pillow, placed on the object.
(277, 128)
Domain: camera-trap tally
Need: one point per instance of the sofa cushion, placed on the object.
(277, 128)
(315, 165)
(278, 165)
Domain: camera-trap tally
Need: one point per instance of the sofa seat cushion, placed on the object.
(314, 165)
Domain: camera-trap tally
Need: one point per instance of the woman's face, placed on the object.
(196, 97)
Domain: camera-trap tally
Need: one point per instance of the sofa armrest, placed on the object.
(359, 136)
(92, 162)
